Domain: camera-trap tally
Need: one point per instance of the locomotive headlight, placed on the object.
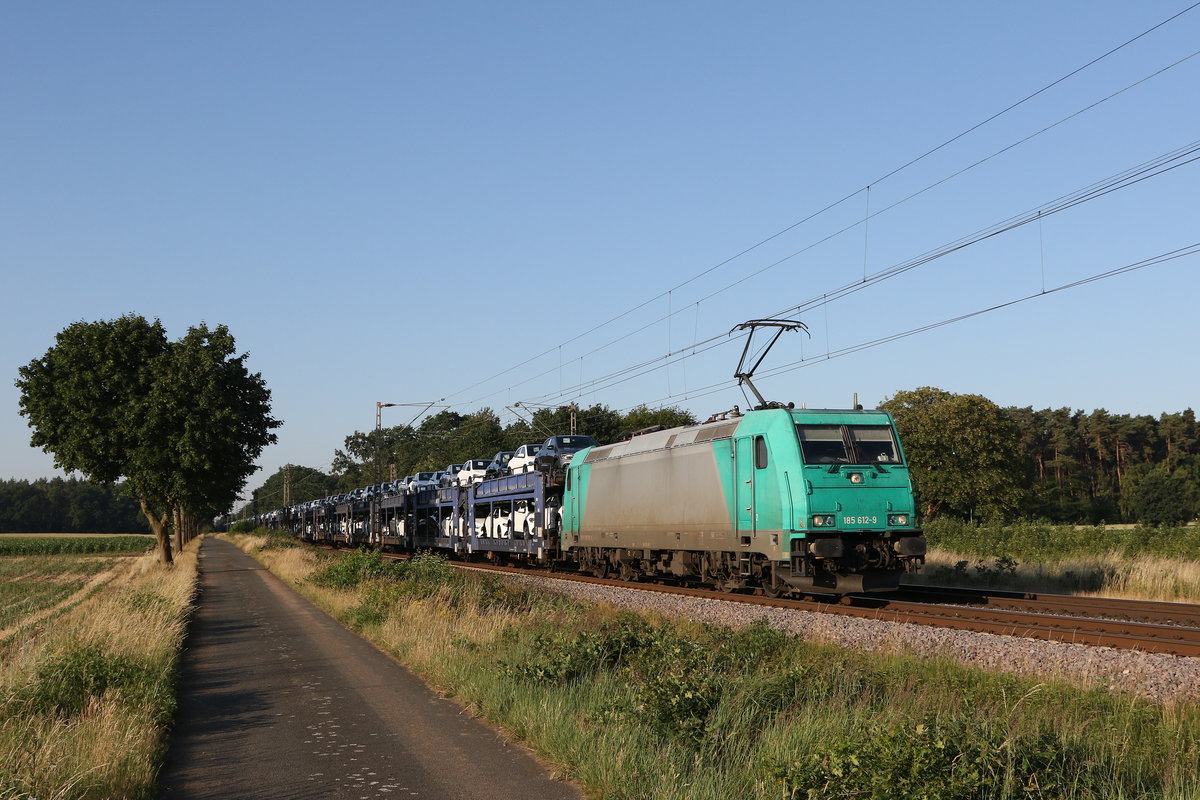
(856, 477)
(897, 519)
(823, 521)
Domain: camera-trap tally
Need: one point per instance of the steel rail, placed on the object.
(1181, 614)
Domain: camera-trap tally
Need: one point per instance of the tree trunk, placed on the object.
(159, 526)
(178, 514)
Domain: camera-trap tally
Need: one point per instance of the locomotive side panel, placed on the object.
(673, 498)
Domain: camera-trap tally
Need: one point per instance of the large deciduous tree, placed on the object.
(181, 421)
(964, 452)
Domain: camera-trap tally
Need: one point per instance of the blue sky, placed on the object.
(394, 201)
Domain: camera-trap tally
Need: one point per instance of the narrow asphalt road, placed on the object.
(279, 700)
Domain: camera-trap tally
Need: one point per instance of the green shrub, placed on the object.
(279, 540)
(951, 760)
(354, 568)
(561, 659)
(65, 684)
(682, 679)
(364, 615)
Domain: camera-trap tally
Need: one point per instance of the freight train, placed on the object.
(777, 499)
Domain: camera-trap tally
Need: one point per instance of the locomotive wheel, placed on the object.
(771, 586)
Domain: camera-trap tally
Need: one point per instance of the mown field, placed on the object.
(31, 584)
(88, 648)
(1133, 561)
(639, 706)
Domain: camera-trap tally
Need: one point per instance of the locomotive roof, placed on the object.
(718, 429)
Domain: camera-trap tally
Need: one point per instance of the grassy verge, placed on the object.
(1132, 561)
(86, 697)
(639, 706)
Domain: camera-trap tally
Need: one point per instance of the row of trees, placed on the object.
(971, 457)
(447, 438)
(67, 505)
(181, 422)
(452, 438)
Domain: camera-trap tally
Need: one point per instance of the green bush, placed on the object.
(65, 684)
(556, 657)
(682, 679)
(951, 760)
(356, 567)
(279, 540)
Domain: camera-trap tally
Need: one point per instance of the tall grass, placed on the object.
(1137, 562)
(640, 706)
(86, 700)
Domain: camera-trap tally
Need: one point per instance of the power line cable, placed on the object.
(1188, 250)
(867, 280)
(1131, 176)
(836, 203)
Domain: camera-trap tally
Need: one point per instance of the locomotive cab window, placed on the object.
(822, 444)
(874, 444)
(760, 452)
(848, 444)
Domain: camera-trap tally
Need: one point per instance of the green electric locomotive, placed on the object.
(782, 499)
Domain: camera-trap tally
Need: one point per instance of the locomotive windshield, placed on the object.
(847, 444)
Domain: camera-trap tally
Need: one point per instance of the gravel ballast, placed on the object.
(1150, 675)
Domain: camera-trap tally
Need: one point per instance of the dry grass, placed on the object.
(39, 615)
(292, 564)
(1107, 575)
(59, 739)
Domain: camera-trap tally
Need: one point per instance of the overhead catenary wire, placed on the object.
(866, 280)
(1131, 176)
(836, 203)
(729, 384)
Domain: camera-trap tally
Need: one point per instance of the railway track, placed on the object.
(1153, 611)
(1148, 626)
